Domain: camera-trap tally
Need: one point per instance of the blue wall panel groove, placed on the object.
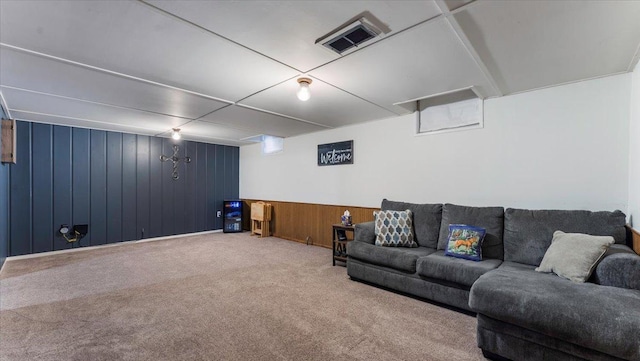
(81, 180)
(155, 187)
(129, 188)
(142, 186)
(20, 194)
(98, 186)
(4, 206)
(114, 187)
(62, 178)
(42, 226)
(114, 182)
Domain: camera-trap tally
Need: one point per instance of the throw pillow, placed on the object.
(574, 256)
(394, 229)
(465, 242)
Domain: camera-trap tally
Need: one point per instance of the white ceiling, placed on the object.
(223, 71)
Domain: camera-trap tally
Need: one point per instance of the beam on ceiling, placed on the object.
(457, 29)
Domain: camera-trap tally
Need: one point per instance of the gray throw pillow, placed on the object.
(574, 255)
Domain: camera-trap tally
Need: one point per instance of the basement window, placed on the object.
(459, 109)
(272, 144)
(460, 115)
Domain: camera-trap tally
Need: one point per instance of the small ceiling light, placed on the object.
(304, 93)
(175, 133)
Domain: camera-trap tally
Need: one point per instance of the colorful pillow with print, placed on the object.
(465, 242)
(394, 228)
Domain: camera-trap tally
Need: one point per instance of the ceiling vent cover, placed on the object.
(347, 40)
(356, 31)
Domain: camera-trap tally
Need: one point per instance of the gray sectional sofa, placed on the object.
(522, 314)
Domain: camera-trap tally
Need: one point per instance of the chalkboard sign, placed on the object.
(335, 153)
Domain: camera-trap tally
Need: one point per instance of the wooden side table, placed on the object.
(340, 245)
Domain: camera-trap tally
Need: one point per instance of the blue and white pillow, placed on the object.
(394, 228)
(465, 242)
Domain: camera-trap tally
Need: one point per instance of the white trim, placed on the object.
(79, 249)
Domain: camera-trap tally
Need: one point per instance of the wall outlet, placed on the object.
(219, 214)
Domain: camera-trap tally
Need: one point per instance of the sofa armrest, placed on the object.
(619, 270)
(365, 232)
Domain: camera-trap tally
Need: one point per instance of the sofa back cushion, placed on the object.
(489, 218)
(426, 220)
(528, 233)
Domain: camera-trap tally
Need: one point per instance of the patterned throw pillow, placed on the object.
(394, 228)
(465, 242)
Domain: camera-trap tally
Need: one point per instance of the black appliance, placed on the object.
(232, 214)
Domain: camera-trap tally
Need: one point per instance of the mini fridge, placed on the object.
(232, 214)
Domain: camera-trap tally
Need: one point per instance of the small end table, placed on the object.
(340, 245)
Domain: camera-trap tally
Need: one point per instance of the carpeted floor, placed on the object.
(215, 297)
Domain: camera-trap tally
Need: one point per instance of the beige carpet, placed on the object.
(215, 297)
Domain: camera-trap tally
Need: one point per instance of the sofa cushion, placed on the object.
(394, 228)
(457, 270)
(574, 255)
(528, 233)
(465, 242)
(602, 318)
(489, 218)
(426, 220)
(403, 259)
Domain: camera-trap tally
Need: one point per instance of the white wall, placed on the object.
(634, 151)
(565, 147)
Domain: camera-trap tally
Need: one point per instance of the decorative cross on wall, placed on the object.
(175, 159)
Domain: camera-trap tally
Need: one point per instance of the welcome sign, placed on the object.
(335, 153)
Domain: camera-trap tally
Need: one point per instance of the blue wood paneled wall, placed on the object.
(114, 182)
(4, 206)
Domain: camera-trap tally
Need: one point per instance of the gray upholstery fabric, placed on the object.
(517, 343)
(528, 233)
(585, 314)
(399, 258)
(452, 269)
(514, 266)
(365, 232)
(619, 270)
(411, 284)
(489, 218)
(426, 220)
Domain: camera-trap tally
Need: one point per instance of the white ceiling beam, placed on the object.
(457, 29)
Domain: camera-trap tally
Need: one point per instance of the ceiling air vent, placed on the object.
(356, 31)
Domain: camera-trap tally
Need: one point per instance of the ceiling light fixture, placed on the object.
(304, 93)
(175, 133)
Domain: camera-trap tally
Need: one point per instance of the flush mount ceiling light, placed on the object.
(303, 92)
(175, 133)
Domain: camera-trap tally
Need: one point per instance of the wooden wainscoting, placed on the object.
(297, 221)
(635, 236)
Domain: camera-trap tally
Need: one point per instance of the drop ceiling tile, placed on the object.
(81, 123)
(455, 4)
(259, 122)
(35, 103)
(328, 105)
(531, 44)
(201, 130)
(131, 37)
(41, 74)
(422, 61)
(287, 30)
